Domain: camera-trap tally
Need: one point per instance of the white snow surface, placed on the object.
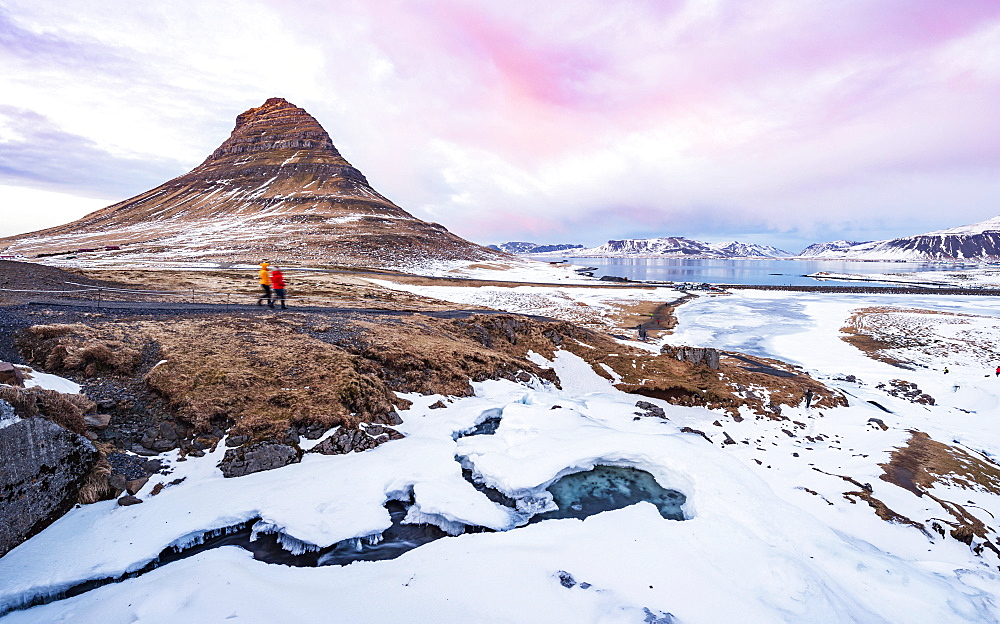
(966, 277)
(48, 381)
(598, 305)
(774, 541)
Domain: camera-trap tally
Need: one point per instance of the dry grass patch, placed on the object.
(66, 410)
(81, 349)
(262, 375)
(923, 462)
(884, 333)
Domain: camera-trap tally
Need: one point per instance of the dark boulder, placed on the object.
(42, 468)
(650, 410)
(161, 438)
(252, 458)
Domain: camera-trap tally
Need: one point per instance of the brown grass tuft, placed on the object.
(66, 410)
(80, 348)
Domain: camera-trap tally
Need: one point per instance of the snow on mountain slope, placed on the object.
(672, 247)
(977, 242)
(749, 250)
(533, 248)
(830, 249)
(277, 188)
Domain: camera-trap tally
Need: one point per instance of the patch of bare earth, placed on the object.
(925, 462)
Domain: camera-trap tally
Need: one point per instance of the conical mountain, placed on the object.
(276, 188)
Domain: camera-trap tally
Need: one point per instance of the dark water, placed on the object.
(583, 494)
(754, 272)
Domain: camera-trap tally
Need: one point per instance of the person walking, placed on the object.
(278, 284)
(998, 371)
(265, 284)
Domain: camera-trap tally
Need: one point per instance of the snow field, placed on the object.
(772, 560)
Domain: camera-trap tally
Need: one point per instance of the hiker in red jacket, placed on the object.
(278, 284)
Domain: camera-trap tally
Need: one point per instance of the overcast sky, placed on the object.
(775, 121)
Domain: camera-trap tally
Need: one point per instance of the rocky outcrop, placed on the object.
(42, 468)
(363, 439)
(276, 188)
(908, 390)
(257, 457)
(694, 355)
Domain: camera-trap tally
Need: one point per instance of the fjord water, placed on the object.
(743, 271)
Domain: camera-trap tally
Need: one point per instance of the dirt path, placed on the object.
(662, 318)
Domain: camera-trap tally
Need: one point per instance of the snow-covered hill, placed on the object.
(979, 241)
(830, 249)
(749, 250)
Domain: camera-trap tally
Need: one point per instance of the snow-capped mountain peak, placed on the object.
(979, 241)
(749, 250)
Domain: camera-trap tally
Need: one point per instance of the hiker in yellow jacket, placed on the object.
(265, 284)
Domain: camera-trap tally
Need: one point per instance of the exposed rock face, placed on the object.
(349, 440)
(277, 188)
(42, 467)
(257, 457)
(695, 355)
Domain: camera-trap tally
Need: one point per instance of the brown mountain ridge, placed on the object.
(276, 188)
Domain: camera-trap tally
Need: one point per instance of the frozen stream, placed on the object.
(576, 495)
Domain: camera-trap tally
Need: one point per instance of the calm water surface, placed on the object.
(764, 272)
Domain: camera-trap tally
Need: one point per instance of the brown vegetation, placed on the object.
(66, 410)
(81, 348)
(924, 461)
(883, 332)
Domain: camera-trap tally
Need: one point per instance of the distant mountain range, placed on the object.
(531, 248)
(976, 242)
(665, 247)
(980, 241)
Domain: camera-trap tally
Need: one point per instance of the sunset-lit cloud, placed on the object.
(776, 121)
